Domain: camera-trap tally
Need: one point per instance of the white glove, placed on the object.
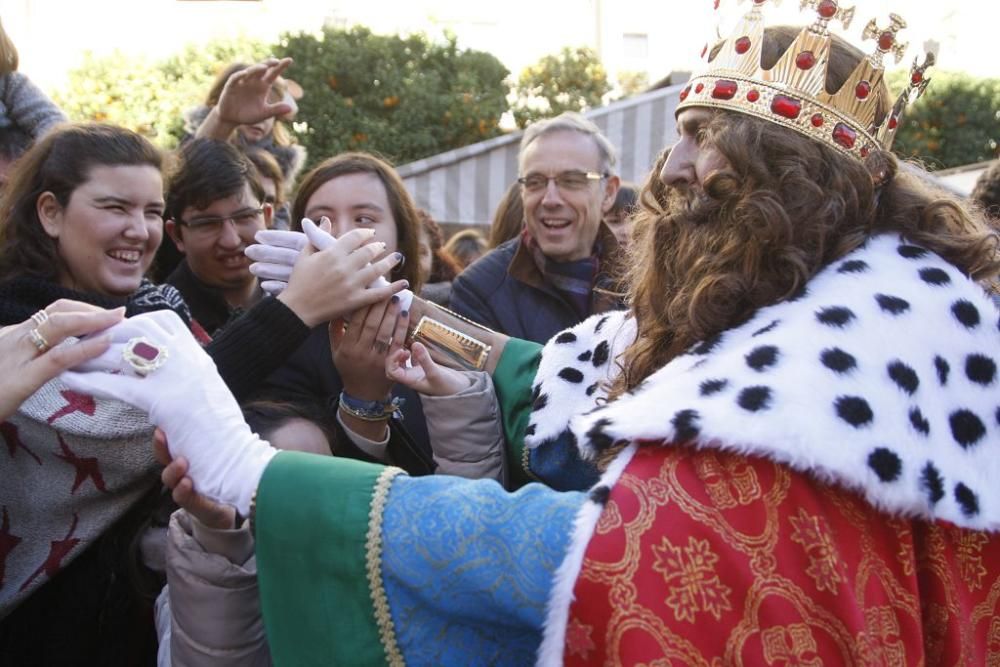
(188, 400)
(274, 255)
(276, 252)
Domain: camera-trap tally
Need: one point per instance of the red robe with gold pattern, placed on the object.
(713, 558)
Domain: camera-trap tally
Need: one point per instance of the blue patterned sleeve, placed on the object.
(467, 567)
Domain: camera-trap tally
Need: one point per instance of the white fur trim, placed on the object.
(561, 595)
(874, 427)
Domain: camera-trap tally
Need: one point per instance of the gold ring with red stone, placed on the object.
(144, 356)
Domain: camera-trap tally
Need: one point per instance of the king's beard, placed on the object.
(718, 258)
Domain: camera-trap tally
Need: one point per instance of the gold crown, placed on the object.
(853, 120)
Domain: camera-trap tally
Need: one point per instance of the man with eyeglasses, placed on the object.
(561, 269)
(214, 209)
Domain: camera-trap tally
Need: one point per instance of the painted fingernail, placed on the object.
(406, 284)
(394, 299)
(399, 257)
(405, 313)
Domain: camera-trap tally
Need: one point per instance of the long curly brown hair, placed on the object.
(786, 207)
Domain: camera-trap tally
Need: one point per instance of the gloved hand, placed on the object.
(188, 400)
(276, 252)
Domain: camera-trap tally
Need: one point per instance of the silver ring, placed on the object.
(144, 356)
(40, 318)
(38, 340)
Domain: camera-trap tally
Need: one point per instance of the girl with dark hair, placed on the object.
(343, 364)
(82, 220)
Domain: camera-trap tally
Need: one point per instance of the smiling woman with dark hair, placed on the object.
(82, 221)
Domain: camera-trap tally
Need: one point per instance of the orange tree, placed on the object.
(571, 80)
(402, 97)
(150, 96)
(956, 122)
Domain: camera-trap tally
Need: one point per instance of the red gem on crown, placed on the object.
(916, 78)
(865, 151)
(828, 9)
(886, 40)
(805, 60)
(817, 120)
(753, 96)
(684, 93)
(700, 87)
(724, 90)
(893, 122)
(787, 107)
(863, 90)
(742, 45)
(844, 136)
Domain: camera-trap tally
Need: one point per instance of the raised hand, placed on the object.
(244, 99)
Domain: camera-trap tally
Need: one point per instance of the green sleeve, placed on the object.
(512, 378)
(312, 527)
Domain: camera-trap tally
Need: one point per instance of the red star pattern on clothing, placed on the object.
(13, 440)
(86, 468)
(7, 543)
(58, 551)
(74, 403)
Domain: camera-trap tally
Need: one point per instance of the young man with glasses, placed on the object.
(214, 209)
(559, 270)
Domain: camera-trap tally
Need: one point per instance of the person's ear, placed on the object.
(611, 185)
(174, 232)
(50, 214)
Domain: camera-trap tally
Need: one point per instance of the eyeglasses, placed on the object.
(567, 181)
(212, 225)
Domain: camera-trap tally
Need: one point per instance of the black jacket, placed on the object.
(504, 291)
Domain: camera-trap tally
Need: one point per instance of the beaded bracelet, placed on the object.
(370, 411)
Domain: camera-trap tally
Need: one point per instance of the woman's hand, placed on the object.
(24, 367)
(330, 283)
(361, 345)
(244, 100)
(425, 377)
(174, 476)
